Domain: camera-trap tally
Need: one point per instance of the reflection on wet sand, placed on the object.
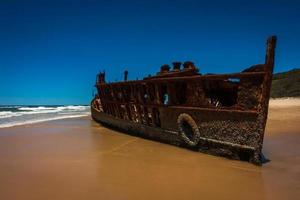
(79, 159)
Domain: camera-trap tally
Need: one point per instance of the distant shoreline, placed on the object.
(284, 102)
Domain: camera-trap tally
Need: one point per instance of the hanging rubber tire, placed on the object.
(188, 129)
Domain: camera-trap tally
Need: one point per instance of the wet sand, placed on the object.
(79, 159)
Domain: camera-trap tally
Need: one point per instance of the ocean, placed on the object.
(19, 115)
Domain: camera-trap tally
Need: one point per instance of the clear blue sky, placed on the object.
(50, 51)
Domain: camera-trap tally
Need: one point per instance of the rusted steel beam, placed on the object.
(216, 110)
(227, 110)
(125, 75)
(266, 90)
(254, 75)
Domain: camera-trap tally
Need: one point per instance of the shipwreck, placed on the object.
(219, 114)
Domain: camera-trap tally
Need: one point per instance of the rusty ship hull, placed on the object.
(219, 114)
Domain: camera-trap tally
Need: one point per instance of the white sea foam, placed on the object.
(75, 107)
(11, 124)
(36, 108)
(59, 108)
(12, 116)
(5, 113)
(8, 114)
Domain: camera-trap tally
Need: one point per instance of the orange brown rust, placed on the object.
(220, 114)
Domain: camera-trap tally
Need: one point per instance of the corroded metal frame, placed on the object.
(230, 110)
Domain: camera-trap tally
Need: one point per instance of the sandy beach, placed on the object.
(79, 159)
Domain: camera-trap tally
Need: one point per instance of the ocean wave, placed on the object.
(83, 113)
(59, 108)
(74, 107)
(36, 108)
(11, 124)
(8, 114)
(7, 107)
(44, 110)
(5, 112)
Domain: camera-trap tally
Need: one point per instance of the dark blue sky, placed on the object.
(50, 51)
